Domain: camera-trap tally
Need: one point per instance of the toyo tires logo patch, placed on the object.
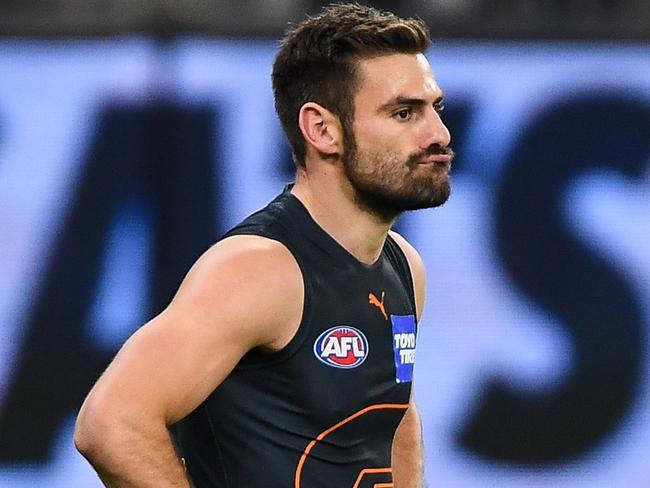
(341, 347)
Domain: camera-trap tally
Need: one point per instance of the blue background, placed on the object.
(120, 161)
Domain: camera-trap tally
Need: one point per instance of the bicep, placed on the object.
(223, 309)
(166, 369)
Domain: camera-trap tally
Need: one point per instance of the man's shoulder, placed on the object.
(417, 269)
(249, 255)
(249, 281)
(412, 255)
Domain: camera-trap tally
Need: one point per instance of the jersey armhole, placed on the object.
(407, 275)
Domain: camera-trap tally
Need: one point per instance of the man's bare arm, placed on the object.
(243, 293)
(407, 453)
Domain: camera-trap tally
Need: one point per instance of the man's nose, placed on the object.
(434, 132)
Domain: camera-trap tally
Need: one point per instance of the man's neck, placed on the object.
(329, 198)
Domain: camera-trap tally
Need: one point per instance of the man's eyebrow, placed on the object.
(407, 101)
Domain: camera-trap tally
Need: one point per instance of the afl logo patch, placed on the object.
(341, 347)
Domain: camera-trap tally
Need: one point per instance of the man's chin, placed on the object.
(388, 207)
(424, 204)
(435, 199)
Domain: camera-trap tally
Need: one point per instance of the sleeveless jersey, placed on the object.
(321, 412)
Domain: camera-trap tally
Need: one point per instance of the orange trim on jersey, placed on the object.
(363, 472)
(325, 433)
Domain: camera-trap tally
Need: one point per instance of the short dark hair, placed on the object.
(318, 57)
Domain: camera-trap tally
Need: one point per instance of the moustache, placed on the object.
(434, 150)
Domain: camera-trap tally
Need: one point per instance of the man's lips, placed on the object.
(437, 159)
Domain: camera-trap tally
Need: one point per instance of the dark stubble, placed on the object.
(386, 185)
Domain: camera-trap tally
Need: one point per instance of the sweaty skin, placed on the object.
(168, 367)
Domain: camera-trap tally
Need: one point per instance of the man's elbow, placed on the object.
(92, 429)
(84, 440)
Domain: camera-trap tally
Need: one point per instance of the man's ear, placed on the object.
(321, 129)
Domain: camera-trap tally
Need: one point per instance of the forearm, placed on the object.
(407, 451)
(131, 456)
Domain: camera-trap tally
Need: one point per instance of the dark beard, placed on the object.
(374, 193)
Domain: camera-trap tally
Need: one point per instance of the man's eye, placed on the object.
(439, 107)
(403, 114)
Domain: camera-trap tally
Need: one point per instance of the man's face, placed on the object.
(397, 156)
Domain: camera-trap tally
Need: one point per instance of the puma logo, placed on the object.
(372, 300)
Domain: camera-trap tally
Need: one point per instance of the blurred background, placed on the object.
(133, 133)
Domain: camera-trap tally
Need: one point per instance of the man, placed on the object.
(286, 357)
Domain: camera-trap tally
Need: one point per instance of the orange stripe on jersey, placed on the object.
(366, 471)
(325, 433)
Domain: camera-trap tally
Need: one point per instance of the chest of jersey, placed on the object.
(323, 410)
(358, 345)
(331, 401)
